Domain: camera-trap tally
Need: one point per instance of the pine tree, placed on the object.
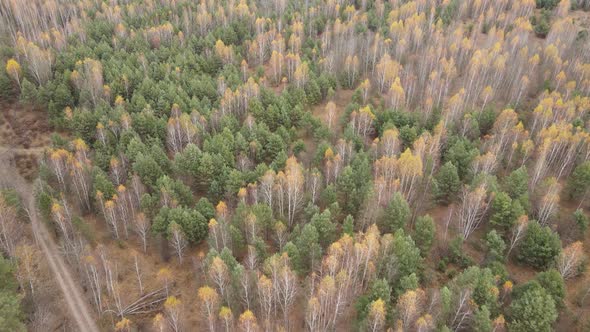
(496, 246)
(447, 183)
(481, 320)
(540, 246)
(534, 310)
(396, 214)
(425, 230)
(504, 211)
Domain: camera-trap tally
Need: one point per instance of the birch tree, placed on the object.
(474, 205)
(177, 239)
(570, 260)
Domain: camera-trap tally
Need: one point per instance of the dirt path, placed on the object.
(77, 305)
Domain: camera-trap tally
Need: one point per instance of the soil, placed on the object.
(25, 129)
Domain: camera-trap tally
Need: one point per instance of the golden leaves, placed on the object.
(13, 68)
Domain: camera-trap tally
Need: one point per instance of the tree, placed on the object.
(89, 80)
(142, 228)
(539, 247)
(379, 289)
(396, 214)
(10, 227)
(39, 60)
(548, 202)
(447, 183)
(461, 154)
(192, 222)
(14, 71)
(165, 276)
(552, 281)
(309, 247)
(227, 317)
(409, 167)
(482, 284)
(570, 260)
(547, 4)
(496, 246)
(410, 305)
(293, 188)
(516, 183)
(173, 309)
(286, 282)
(209, 301)
(504, 213)
(425, 231)
(219, 274)
(325, 227)
(581, 221)
(247, 321)
(177, 239)
(148, 169)
(377, 313)
(266, 298)
(534, 310)
(159, 323)
(11, 315)
(481, 320)
(28, 264)
(474, 205)
(348, 225)
(28, 92)
(330, 113)
(403, 259)
(518, 232)
(579, 182)
(10, 312)
(124, 325)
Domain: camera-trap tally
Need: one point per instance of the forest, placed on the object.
(294, 165)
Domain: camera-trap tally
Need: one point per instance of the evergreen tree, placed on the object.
(325, 227)
(148, 169)
(103, 184)
(396, 214)
(28, 92)
(447, 183)
(192, 222)
(534, 310)
(579, 182)
(461, 154)
(554, 284)
(424, 233)
(308, 245)
(406, 283)
(502, 211)
(539, 247)
(481, 320)
(496, 246)
(581, 221)
(348, 225)
(11, 315)
(516, 183)
(405, 259)
(379, 289)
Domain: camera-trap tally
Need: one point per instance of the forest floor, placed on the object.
(24, 134)
(25, 130)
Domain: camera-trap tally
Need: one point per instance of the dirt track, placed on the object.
(77, 305)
